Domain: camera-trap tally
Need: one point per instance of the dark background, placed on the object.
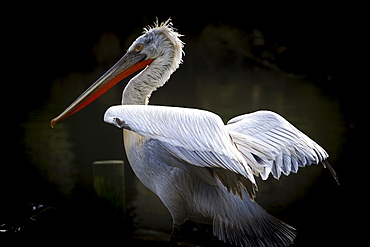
(43, 43)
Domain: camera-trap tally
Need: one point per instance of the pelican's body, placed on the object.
(201, 169)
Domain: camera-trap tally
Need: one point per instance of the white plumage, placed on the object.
(201, 169)
(278, 145)
(194, 137)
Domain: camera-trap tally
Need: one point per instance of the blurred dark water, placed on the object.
(230, 69)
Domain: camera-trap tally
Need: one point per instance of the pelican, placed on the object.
(200, 168)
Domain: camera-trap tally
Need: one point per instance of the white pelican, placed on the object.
(201, 169)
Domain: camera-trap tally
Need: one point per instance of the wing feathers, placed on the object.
(259, 143)
(196, 137)
(282, 148)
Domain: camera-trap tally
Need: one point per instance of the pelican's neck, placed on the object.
(140, 88)
(155, 75)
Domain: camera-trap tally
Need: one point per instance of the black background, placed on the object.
(46, 42)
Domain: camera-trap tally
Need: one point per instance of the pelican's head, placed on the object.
(158, 45)
(159, 42)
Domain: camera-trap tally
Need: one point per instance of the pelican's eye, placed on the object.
(138, 47)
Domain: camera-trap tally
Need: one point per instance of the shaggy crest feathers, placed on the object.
(167, 29)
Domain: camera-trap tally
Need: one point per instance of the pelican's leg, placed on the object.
(176, 233)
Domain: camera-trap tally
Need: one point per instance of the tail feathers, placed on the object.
(264, 230)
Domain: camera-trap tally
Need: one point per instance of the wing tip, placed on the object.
(328, 166)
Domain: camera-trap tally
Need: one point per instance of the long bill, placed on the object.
(128, 64)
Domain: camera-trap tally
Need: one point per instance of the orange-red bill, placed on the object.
(127, 65)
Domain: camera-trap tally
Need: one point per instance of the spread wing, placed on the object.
(195, 136)
(270, 144)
